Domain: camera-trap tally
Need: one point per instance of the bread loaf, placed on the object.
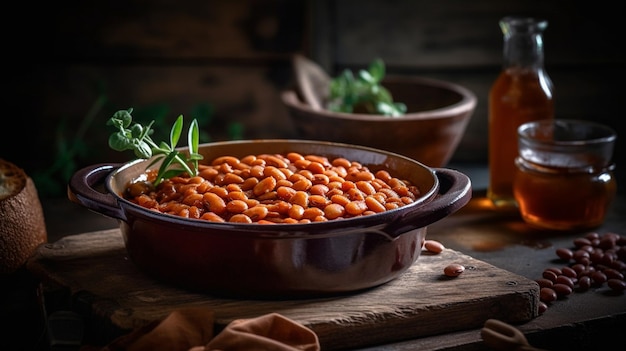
(22, 224)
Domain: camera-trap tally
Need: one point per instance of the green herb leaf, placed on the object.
(365, 93)
(177, 128)
(137, 138)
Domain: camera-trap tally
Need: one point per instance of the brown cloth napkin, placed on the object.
(191, 329)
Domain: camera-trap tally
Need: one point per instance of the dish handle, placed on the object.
(82, 189)
(455, 191)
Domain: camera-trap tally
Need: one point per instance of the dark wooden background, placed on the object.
(72, 64)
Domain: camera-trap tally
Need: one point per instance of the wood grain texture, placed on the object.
(422, 302)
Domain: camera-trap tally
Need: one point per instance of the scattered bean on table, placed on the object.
(433, 246)
(595, 261)
(453, 270)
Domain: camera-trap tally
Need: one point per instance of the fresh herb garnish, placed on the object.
(136, 137)
(349, 93)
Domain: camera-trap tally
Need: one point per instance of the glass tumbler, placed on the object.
(564, 174)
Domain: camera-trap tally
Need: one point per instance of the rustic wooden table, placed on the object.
(584, 320)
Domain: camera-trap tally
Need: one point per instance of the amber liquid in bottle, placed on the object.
(517, 96)
(521, 93)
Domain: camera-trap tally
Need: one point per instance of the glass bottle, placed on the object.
(522, 92)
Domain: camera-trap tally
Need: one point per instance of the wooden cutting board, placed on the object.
(421, 302)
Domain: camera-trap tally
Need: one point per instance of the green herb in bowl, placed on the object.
(364, 93)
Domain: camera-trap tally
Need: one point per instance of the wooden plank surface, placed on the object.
(421, 302)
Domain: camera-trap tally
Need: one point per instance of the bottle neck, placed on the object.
(523, 42)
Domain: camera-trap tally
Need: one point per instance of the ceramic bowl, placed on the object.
(438, 114)
(276, 260)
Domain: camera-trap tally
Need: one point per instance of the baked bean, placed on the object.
(276, 161)
(256, 171)
(237, 195)
(355, 194)
(219, 191)
(273, 188)
(146, 201)
(214, 203)
(383, 175)
(320, 179)
(183, 212)
(211, 216)
(294, 156)
(207, 173)
(365, 187)
(194, 212)
(258, 162)
(340, 199)
(271, 171)
(296, 211)
(231, 160)
(356, 208)
(334, 211)
(193, 199)
(301, 164)
(236, 206)
(231, 178)
(374, 205)
(364, 176)
(318, 201)
(318, 189)
(316, 167)
(380, 197)
(341, 162)
(248, 160)
(333, 192)
(285, 192)
(232, 187)
(264, 186)
(267, 196)
(252, 202)
(240, 218)
(334, 183)
(389, 193)
(312, 213)
(300, 198)
(376, 184)
(302, 184)
(391, 206)
(256, 213)
(225, 168)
